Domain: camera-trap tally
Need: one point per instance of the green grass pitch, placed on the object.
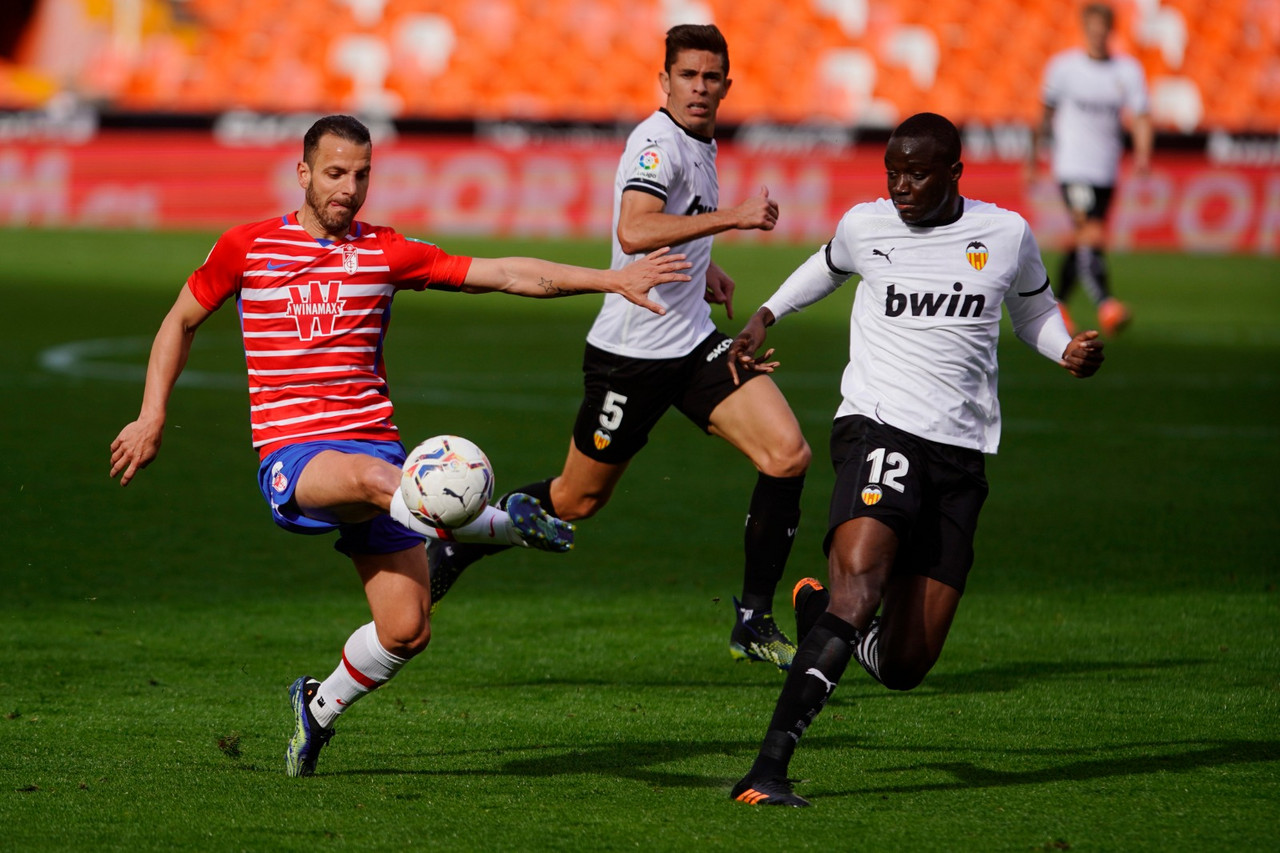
(1112, 681)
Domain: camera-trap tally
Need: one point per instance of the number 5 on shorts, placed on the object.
(611, 411)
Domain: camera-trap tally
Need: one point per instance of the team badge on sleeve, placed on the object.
(351, 259)
(978, 254)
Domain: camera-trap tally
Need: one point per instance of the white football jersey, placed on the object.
(926, 315)
(679, 167)
(1088, 97)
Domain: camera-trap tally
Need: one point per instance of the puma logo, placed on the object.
(817, 673)
(885, 255)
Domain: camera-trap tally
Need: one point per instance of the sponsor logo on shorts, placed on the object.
(977, 254)
(720, 348)
(871, 495)
(279, 481)
(602, 438)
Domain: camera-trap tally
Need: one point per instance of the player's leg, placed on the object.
(754, 417)
(861, 558)
(346, 487)
(396, 585)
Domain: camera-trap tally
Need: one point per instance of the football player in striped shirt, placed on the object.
(919, 410)
(313, 290)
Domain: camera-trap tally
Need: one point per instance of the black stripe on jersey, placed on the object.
(835, 269)
(646, 187)
(1041, 289)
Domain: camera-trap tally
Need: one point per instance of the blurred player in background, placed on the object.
(1085, 93)
(919, 411)
(314, 291)
(638, 365)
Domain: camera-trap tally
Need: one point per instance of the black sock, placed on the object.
(1067, 274)
(771, 529)
(818, 665)
(540, 490)
(461, 555)
(1092, 264)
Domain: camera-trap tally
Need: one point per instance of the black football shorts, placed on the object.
(929, 493)
(1088, 200)
(625, 397)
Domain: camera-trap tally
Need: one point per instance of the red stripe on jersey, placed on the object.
(361, 679)
(314, 315)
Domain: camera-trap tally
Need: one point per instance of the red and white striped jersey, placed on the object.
(314, 315)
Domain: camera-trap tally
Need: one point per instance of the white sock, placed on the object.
(493, 527)
(365, 666)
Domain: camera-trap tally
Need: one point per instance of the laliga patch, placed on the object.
(602, 438)
(649, 160)
(279, 481)
(977, 254)
(351, 258)
(871, 495)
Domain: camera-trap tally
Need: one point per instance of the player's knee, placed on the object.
(374, 482)
(904, 673)
(407, 636)
(900, 678)
(788, 459)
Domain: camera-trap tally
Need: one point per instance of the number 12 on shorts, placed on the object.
(887, 469)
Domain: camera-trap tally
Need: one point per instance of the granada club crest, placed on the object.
(978, 254)
(871, 494)
(602, 438)
(279, 481)
(351, 259)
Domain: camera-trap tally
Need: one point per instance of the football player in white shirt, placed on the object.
(919, 411)
(666, 193)
(1086, 93)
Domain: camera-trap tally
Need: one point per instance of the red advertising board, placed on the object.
(439, 187)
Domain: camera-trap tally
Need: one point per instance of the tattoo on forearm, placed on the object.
(552, 288)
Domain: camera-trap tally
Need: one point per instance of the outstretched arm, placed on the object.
(139, 442)
(812, 280)
(538, 278)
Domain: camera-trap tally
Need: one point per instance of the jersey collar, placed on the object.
(698, 136)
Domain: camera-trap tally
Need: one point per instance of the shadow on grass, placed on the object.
(1156, 757)
(1010, 676)
(641, 761)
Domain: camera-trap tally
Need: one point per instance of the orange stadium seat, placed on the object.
(975, 60)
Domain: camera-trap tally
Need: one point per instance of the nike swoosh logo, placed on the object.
(1041, 289)
(272, 265)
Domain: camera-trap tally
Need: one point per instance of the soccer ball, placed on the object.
(447, 481)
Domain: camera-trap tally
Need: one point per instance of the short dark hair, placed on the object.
(344, 127)
(1102, 10)
(695, 37)
(935, 127)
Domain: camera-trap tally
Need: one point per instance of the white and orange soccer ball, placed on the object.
(447, 481)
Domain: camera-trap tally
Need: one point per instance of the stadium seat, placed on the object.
(849, 60)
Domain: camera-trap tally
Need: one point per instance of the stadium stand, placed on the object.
(1211, 66)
